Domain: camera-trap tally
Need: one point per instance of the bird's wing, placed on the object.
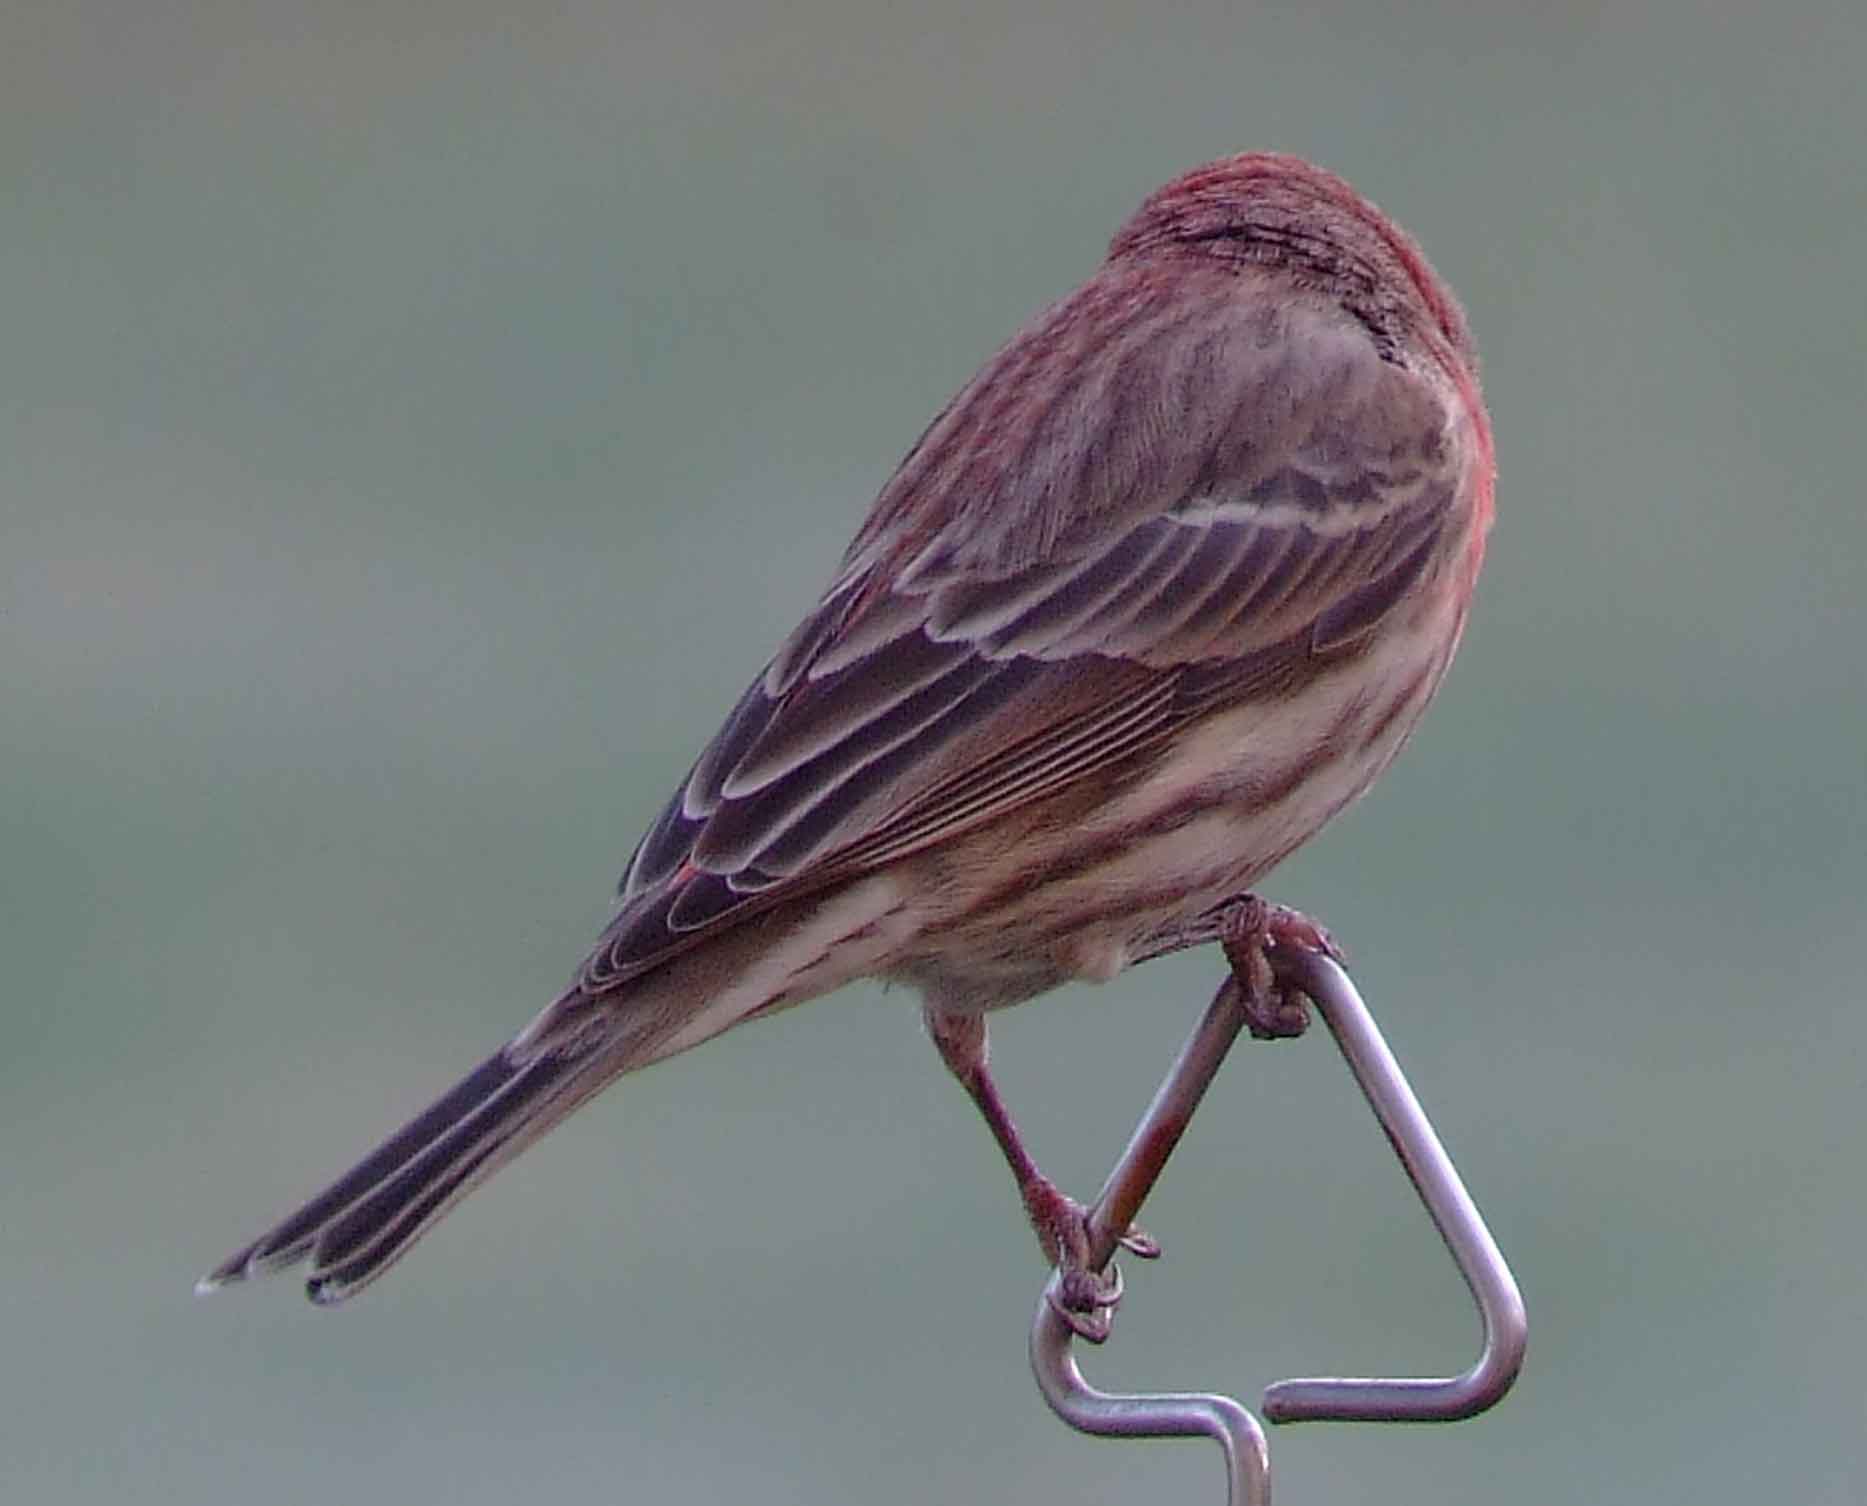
(1279, 488)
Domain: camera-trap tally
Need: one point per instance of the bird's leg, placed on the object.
(1250, 930)
(1083, 1298)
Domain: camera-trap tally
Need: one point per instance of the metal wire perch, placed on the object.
(1238, 1432)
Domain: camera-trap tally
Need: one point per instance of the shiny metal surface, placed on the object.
(1360, 1399)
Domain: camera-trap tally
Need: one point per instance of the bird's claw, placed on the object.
(1084, 1299)
(1255, 930)
(1137, 1241)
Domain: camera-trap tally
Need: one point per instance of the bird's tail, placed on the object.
(368, 1218)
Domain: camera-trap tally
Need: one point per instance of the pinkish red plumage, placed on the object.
(1164, 587)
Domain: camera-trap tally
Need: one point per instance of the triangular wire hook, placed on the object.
(1434, 1177)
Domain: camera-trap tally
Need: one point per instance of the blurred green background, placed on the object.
(420, 420)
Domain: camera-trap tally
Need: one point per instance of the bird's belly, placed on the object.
(1205, 818)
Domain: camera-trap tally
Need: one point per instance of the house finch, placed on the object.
(1161, 590)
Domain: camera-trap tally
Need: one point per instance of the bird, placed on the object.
(1161, 590)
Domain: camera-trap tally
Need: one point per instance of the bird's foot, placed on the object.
(1083, 1298)
(1253, 931)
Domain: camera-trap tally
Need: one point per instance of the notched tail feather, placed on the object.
(368, 1218)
